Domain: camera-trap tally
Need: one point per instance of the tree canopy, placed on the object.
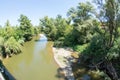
(92, 30)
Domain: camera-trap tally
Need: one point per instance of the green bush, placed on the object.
(80, 48)
(58, 44)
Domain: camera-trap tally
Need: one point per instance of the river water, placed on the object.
(36, 62)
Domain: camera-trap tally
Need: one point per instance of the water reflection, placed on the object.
(40, 44)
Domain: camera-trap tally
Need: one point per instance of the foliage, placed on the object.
(62, 27)
(26, 27)
(12, 37)
(80, 48)
(105, 43)
(36, 30)
(81, 16)
(55, 29)
(104, 46)
(92, 32)
(114, 51)
(96, 49)
(58, 44)
(10, 46)
(48, 27)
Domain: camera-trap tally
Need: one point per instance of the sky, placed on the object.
(33, 9)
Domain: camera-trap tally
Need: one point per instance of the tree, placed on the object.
(9, 46)
(109, 15)
(48, 27)
(8, 30)
(56, 29)
(36, 31)
(26, 27)
(18, 35)
(62, 27)
(12, 46)
(104, 47)
(82, 20)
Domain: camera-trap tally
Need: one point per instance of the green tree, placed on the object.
(82, 20)
(18, 35)
(26, 27)
(48, 27)
(104, 47)
(63, 33)
(62, 27)
(9, 46)
(36, 31)
(8, 30)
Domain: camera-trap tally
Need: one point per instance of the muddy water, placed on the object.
(36, 62)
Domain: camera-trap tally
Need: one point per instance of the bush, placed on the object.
(80, 48)
(58, 44)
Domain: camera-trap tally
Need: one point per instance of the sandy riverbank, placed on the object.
(63, 59)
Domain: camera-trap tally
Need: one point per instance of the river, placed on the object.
(36, 62)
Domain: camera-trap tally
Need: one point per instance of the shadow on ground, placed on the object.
(60, 74)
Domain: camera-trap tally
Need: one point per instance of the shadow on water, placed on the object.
(39, 40)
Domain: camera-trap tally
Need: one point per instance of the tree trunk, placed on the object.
(108, 68)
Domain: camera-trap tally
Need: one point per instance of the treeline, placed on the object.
(76, 29)
(13, 37)
(91, 30)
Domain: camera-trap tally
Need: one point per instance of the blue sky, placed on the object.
(33, 9)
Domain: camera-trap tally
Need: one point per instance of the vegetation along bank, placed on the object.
(92, 31)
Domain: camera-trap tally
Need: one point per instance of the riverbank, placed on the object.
(63, 58)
